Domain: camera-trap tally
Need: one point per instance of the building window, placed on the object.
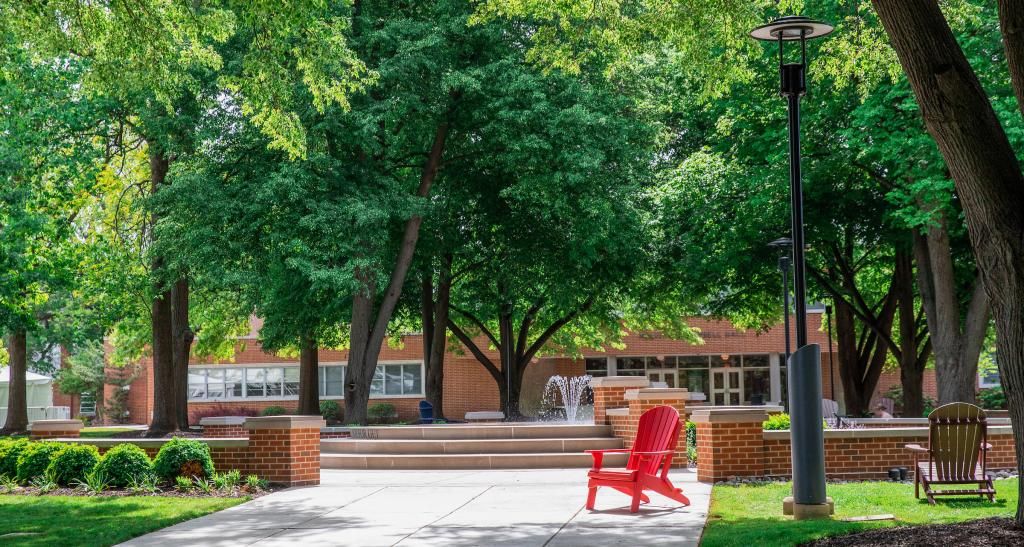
(87, 404)
(596, 366)
(332, 381)
(988, 372)
(219, 383)
(631, 366)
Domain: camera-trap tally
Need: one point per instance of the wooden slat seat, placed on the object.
(956, 453)
(649, 461)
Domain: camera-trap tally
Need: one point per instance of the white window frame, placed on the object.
(246, 398)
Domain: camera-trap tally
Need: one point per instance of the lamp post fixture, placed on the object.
(807, 439)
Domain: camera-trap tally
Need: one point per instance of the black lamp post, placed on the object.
(784, 244)
(807, 440)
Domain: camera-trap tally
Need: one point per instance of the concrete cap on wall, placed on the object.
(715, 415)
(223, 420)
(669, 393)
(619, 381)
(285, 422)
(55, 425)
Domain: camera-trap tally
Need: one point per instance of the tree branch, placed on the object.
(475, 350)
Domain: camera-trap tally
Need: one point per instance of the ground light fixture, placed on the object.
(804, 374)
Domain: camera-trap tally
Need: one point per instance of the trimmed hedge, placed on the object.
(35, 459)
(330, 410)
(10, 450)
(274, 411)
(73, 463)
(124, 464)
(181, 457)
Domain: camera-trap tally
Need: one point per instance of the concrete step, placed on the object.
(466, 461)
(482, 431)
(467, 446)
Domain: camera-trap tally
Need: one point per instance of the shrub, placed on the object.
(124, 464)
(35, 459)
(95, 482)
(183, 457)
(992, 398)
(776, 422)
(691, 435)
(74, 463)
(274, 411)
(381, 412)
(330, 410)
(183, 483)
(10, 450)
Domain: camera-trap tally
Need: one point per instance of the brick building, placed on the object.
(732, 367)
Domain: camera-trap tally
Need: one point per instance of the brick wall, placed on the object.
(52, 429)
(282, 449)
(610, 392)
(731, 443)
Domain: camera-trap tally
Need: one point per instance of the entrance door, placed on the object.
(726, 386)
(668, 376)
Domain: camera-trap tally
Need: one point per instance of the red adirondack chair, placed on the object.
(648, 463)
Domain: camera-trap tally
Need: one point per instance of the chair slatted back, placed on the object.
(658, 430)
(829, 409)
(956, 432)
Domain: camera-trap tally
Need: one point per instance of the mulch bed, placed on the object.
(982, 532)
(168, 492)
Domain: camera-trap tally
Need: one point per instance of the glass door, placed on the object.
(666, 376)
(726, 386)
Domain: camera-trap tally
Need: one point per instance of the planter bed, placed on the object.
(165, 492)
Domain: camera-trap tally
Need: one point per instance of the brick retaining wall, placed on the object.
(731, 443)
(282, 449)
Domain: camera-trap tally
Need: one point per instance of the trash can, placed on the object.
(426, 412)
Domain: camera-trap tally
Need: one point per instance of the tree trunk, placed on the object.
(984, 167)
(165, 415)
(846, 350)
(368, 330)
(1011, 25)
(183, 338)
(309, 377)
(438, 337)
(17, 402)
(957, 345)
(911, 366)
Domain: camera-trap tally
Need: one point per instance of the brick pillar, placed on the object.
(730, 442)
(51, 429)
(609, 392)
(285, 449)
(224, 426)
(644, 399)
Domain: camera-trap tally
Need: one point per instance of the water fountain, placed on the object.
(571, 390)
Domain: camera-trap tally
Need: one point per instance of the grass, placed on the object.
(70, 520)
(102, 432)
(752, 514)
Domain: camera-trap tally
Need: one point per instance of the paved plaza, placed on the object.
(542, 507)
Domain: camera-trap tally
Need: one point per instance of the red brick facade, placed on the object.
(469, 387)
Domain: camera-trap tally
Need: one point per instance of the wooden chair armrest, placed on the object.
(599, 455)
(916, 448)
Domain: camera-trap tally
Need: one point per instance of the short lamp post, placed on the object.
(783, 244)
(805, 394)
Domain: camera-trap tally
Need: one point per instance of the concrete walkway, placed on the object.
(542, 507)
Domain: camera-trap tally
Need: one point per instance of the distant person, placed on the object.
(881, 412)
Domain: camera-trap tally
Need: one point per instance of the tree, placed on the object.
(157, 60)
(46, 164)
(984, 165)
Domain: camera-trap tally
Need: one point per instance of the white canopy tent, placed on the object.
(39, 396)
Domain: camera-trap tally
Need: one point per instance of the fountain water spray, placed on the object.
(571, 389)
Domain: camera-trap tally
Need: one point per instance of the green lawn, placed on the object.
(102, 432)
(752, 515)
(71, 520)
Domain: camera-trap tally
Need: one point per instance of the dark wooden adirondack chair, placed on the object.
(648, 463)
(957, 446)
